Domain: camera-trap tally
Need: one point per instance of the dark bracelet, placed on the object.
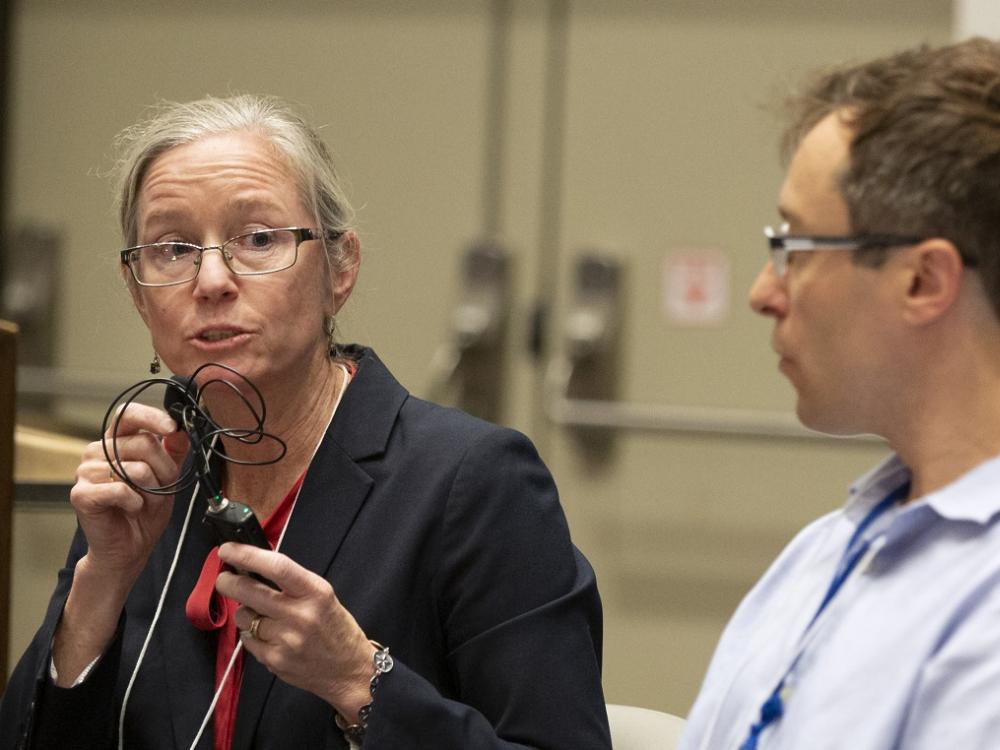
(355, 733)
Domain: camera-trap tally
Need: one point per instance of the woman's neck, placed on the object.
(300, 420)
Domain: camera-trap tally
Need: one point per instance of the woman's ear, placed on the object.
(136, 293)
(342, 281)
(935, 270)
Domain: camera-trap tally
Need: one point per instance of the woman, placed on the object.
(396, 522)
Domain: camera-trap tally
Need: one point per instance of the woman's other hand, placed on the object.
(305, 637)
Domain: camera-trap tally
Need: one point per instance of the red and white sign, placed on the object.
(696, 287)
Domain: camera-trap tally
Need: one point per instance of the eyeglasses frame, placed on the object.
(301, 235)
(781, 244)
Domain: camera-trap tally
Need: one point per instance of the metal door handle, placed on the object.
(466, 369)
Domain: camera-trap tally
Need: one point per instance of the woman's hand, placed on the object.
(306, 637)
(122, 525)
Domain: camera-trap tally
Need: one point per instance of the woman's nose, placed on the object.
(214, 272)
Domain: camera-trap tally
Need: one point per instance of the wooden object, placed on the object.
(8, 374)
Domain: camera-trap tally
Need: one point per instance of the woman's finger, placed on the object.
(289, 576)
(136, 417)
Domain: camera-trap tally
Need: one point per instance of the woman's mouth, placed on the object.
(217, 335)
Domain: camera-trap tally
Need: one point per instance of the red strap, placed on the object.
(205, 608)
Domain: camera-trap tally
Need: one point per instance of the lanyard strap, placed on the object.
(774, 707)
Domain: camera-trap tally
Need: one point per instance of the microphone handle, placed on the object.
(235, 522)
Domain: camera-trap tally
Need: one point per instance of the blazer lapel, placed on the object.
(336, 483)
(332, 495)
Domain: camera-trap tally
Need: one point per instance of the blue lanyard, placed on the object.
(774, 707)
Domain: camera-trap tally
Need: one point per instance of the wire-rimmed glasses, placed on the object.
(250, 254)
(781, 244)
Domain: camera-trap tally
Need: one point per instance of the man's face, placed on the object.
(826, 309)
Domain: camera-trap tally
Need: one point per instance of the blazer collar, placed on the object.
(368, 409)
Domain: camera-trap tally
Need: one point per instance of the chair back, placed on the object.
(635, 728)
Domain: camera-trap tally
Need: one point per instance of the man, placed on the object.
(879, 625)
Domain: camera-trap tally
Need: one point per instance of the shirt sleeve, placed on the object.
(54, 674)
(81, 716)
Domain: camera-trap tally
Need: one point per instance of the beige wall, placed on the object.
(662, 141)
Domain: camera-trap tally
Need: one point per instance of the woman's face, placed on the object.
(269, 327)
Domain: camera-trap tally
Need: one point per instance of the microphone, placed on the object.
(181, 401)
(232, 521)
(178, 391)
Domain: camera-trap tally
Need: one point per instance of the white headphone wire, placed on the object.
(156, 618)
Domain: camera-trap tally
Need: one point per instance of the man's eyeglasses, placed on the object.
(780, 244)
(250, 254)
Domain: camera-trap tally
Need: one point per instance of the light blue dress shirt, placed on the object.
(906, 655)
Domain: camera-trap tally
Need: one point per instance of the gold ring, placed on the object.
(111, 475)
(255, 626)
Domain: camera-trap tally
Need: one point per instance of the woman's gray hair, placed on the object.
(174, 124)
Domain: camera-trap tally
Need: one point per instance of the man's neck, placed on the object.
(946, 436)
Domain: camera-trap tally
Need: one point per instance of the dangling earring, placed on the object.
(330, 329)
(154, 365)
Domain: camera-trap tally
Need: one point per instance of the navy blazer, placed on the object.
(442, 535)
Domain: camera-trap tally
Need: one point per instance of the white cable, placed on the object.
(218, 693)
(156, 618)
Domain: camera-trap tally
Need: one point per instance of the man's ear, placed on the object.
(934, 273)
(343, 281)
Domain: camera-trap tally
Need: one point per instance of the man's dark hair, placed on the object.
(925, 153)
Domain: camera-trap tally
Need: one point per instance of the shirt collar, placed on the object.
(874, 486)
(972, 497)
